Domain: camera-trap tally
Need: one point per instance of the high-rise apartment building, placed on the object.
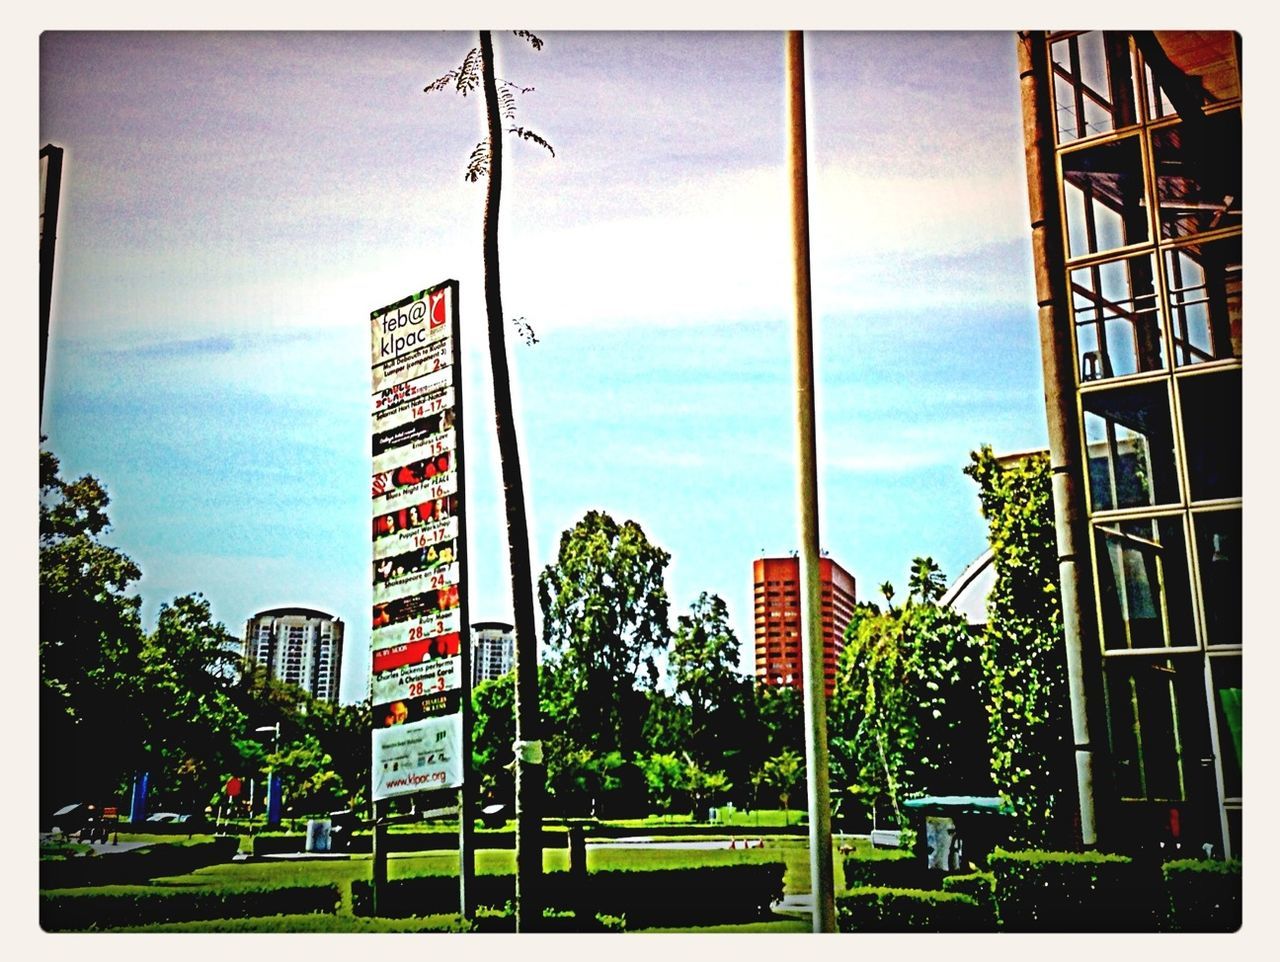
(302, 646)
(1133, 148)
(777, 619)
(493, 646)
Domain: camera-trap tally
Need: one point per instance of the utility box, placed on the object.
(954, 830)
(318, 834)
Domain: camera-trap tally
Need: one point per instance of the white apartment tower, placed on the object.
(302, 646)
(492, 650)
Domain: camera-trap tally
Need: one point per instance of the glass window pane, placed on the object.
(1103, 197)
(1218, 553)
(1227, 697)
(1205, 301)
(1198, 180)
(1144, 587)
(1142, 712)
(1118, 318)
(1129, 447)
(1093, 84)
(1189, 67)
(1211, 415)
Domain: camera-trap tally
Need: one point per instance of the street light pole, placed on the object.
(812, 660)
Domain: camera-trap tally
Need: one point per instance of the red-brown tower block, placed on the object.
(777, 619)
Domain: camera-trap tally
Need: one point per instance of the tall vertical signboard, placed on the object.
(419, 684)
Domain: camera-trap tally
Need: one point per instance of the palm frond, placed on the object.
(478, 164)
(525, 134)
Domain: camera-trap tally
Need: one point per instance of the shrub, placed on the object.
(1073, 892)
(436, 894)
(73, 911)
(553, 920)
(889, 868)
(137, 866)
(979, 886)
(647, 899)
(1203, 895)
(705, 895)
(909, 910)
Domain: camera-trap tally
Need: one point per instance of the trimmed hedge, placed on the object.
(428, 841)
(890, 868)
(136, 866)
(1203, 895)
(437, 894)
(979, 886)
(910, 910)
(553, 921)
(1074, 892)
(647, 899)
(71, 911)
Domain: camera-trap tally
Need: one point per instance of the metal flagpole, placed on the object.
(815, 699)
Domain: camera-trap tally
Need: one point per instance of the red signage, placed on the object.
(233, 786)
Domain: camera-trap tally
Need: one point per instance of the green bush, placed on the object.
(138, 865)
(910, 910)
(437, 894)
(553, 920)
(657, 897)
(1074, 892)
(74, 911)
(979, 886)
(889, 868)
(1203, 895)
(705, 895)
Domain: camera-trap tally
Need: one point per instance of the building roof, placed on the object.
(303, 612)
(968, 594)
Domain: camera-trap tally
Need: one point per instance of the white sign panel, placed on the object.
(418, 682)
(414, 681)
(417, 757)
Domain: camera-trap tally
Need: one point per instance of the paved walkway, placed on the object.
(798, 903)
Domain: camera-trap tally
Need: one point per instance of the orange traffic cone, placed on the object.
(733, 843)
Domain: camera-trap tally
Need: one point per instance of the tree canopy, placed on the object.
(604, 617)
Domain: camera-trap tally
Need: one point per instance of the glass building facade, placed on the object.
(1141, 252)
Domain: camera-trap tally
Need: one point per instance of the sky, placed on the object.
(236, 204)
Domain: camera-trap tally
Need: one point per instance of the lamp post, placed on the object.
(273, 780)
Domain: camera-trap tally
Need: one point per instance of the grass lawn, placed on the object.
(307, 924)
(791, 852)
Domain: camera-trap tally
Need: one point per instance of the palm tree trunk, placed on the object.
(530, 775)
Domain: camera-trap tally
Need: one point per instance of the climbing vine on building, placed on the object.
(1029, 719)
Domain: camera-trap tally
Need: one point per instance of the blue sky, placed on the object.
(236, 204)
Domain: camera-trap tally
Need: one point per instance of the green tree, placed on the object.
(704, 786)
(666, 775)
(90, 641)
(927, 583)
(784, 773)
(779, 721)
(1024, 661)
(604, 616)
(886, 589)
(493, 729)
(308, 776)
(703, 666)
(342, 732)
(194, 719)
(908, 715)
